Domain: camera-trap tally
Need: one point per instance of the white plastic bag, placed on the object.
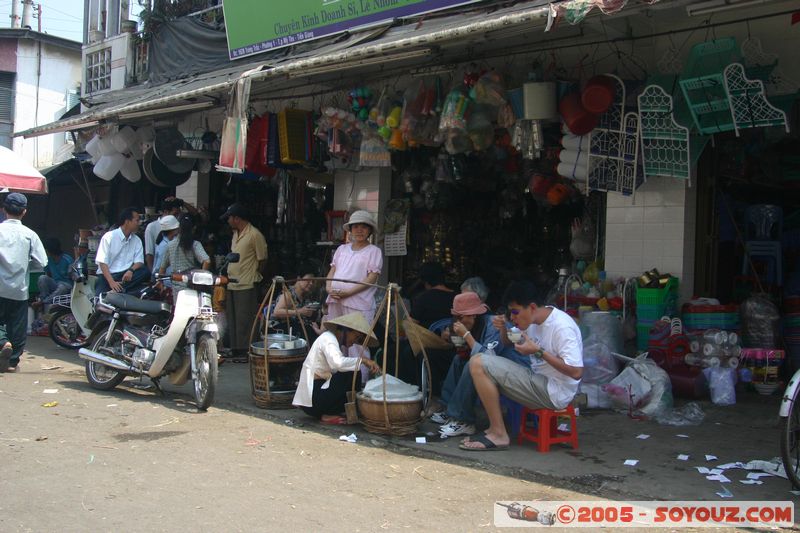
(642, 387)
(396, 389)
(721, 382)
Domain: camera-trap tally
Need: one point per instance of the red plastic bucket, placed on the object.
(575, 116)
(598, 94)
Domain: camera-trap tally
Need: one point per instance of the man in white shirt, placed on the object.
(553, 342)
(120, 257)
(20, 248)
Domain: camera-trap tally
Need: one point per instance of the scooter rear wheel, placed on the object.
(65, 331)
(205, 382)
(100, 376)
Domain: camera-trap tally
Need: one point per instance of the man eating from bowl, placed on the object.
(552, 341)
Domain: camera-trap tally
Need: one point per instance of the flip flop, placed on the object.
(338, 421)
(489, 446)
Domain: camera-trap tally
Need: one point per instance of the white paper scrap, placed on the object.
(737, 464)
(711, 457)
(683, 457)
(725, 493)
(795, 492)
(751, 482)
(631, 462)
(349, 438)
(716, 471)
(703, 470)
(718, 477)
(563, 428)
(421, 440)
(756, 475)
(50, 391)
(643, 436)
(111, 405)
(681, 435)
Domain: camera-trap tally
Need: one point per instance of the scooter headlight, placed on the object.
(203, 278)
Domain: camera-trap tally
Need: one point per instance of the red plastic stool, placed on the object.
(545, 431)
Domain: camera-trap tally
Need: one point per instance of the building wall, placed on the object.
(653, 229)
(58, 72)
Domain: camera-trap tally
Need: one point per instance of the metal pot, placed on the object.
(300, 346)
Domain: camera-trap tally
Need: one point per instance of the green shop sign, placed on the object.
(255, 26)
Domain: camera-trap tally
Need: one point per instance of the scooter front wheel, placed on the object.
(205, 381)
(65, 330)
(790, 442)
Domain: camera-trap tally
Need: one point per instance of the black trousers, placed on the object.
(331, 401)
(14, 326)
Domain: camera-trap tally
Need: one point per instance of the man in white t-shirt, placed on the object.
(552, 340)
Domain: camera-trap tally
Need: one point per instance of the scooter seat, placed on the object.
(128, 302)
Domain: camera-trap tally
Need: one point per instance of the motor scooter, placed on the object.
(69, 317)
(68, 325)
(134, 337)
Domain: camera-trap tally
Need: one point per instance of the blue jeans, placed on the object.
(141, 276)
(50, 288)
(14, 326)
(458, 390)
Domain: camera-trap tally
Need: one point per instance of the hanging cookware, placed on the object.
(160, 175)
(166, 145)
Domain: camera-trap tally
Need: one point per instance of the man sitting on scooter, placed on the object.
(120, 257)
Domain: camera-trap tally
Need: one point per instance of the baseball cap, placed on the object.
(17, 200)
(234, 210)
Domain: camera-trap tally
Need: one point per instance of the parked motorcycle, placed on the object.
(134, 337)
(69, 317)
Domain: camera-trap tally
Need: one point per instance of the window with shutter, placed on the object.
(6, 108)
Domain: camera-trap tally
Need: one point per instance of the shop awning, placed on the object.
(16, 175)
(372, 46)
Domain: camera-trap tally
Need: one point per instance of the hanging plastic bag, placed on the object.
(234, 128)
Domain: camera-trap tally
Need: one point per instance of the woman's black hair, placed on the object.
(186, 238)
(478, 327)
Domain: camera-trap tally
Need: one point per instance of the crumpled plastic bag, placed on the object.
(689, 415)
(642, 387)
(396, 390)
(722, 383)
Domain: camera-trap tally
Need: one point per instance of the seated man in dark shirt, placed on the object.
(436, 301)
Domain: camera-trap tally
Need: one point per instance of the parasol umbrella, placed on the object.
(17, 175)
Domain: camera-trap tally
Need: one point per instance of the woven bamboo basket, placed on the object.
(391, 418)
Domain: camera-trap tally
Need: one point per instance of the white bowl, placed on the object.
(457, 341)
(514, 337)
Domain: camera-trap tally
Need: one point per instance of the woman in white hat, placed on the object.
(358, 260)
(170, 227)
(327, 374)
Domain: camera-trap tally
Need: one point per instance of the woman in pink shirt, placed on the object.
(359, 261)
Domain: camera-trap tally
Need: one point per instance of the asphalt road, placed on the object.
(130, 460)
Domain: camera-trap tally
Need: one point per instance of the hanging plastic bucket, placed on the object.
(577, 118)
(598, 95)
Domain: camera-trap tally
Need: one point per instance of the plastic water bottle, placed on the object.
(556, 294)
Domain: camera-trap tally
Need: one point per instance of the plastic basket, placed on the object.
(662, 296)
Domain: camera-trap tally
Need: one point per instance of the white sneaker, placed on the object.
(440, 417)
(456, 428)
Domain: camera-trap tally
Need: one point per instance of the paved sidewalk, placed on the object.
(746, 431)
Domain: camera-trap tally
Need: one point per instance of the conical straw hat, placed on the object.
(420, 337)
(354, 321)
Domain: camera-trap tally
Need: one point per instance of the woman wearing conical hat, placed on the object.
(327, 374)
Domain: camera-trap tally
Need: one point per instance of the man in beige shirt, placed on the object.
(241, 302)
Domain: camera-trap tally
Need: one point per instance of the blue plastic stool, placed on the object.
(513, 415)
(770, 250)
